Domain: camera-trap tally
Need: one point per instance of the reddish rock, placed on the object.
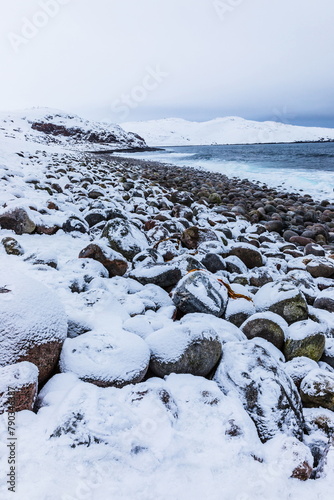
(41, 229)
(300, 240)
(18, 387)
(150, 224)
(33, 323)
(52, 206)
(115, 267)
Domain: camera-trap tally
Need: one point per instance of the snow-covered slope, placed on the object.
(54, 127)
(229, 130)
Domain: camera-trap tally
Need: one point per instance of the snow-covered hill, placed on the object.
(54, 127)
(228, 130)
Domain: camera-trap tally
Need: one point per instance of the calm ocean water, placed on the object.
(307, 167)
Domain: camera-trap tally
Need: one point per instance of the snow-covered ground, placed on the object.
(177, 438)
(228, 130)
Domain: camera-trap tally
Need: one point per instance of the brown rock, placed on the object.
(193, 236)
(249, 255)
(45, 357)
(303, 471)
(300, 240)
(115, 267)
(18, 389)
(41, 229)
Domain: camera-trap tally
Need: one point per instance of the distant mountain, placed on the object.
(52, 127)
(229, 130)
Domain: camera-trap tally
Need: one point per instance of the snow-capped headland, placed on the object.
(165, 333)
(54, 127)
(228, 130)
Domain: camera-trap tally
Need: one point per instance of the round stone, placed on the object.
(106, 359)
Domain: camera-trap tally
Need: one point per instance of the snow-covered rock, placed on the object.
(18, 387)
(297, 368)
(317, 389)
(106, 359)
(33, 323)
(268, 394)
(200, 292)
(304, 338)
(267, 325)
(185, 348)
(284, 299)
(125, 238)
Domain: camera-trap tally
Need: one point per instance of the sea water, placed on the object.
(305, 168)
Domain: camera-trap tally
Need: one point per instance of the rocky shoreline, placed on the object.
(289, 214)
(180, 288)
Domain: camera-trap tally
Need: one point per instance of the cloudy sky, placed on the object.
(125, 60)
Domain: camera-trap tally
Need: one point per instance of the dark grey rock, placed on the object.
(184, 349)
(124, 237)
(267, 325)
(200, 292)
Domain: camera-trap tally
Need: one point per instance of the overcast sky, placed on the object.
(126, 60)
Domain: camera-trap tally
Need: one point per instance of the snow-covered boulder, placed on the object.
(235, 265)
(200, 292)
(305, 338)
(267, 325)
(33, 323)
(124, 237)
(114, 265)
(227, 331)
(106, 359)
(268, 394)
(305, 284)
(317, 389)
(291, 456)
(297, 368)
(83, 271)
(319, 432)
(184, 348)
(213, 262)
(18, 386)
(284, 299)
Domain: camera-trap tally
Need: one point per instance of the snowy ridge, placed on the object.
(54, 127)
(228, 130)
